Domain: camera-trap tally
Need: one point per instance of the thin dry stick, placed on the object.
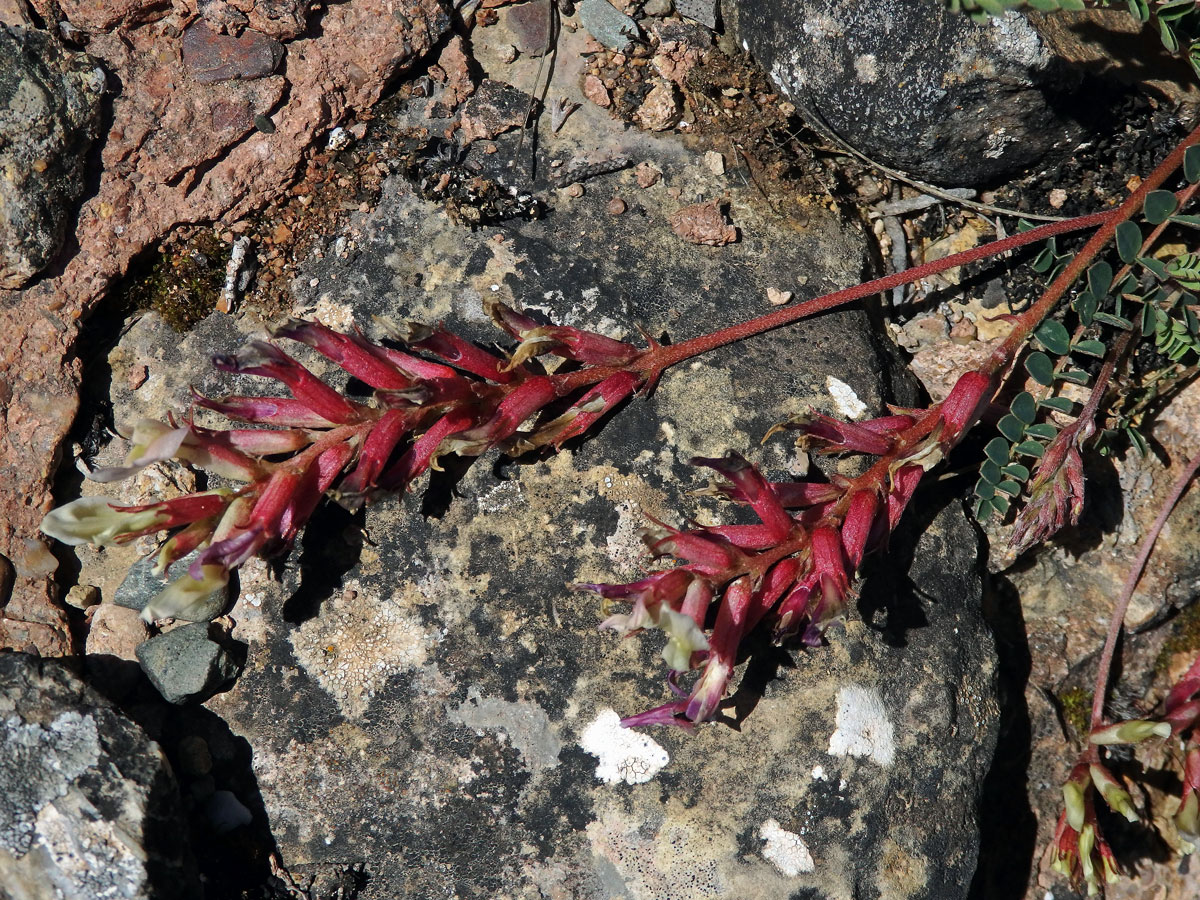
(1131, 581)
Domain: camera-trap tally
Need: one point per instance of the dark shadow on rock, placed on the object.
(329, 548)
(1007, 825)
(890, 600)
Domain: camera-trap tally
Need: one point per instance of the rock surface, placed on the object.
(176, 151)
(915, 86)
(88, 804)
(49, 116)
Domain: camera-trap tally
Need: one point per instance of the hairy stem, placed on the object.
(1131, 581)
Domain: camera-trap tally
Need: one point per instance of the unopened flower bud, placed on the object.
(1114, 795)
(1132, 732)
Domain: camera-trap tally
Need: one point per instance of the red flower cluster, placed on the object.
(441, 394)
(795, 569)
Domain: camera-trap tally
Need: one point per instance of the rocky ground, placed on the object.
(410, 703)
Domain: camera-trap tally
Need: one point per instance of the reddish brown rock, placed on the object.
(97, 15)
(703, 223)
(210, 57)
(530, 24)
(594, 90)
(661, 110)
(207, 165)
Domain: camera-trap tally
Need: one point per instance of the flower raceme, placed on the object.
(794, 570)
(439, 395)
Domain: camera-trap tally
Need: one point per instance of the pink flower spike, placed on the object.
(889, 425)
(727, 634)
(696, 601)
(589, 408)
(781, 578)
(1186, 688)
(904, 484)
(1183, 716)
(585, 346)
(458, 352)
(285, 412)
(385, 435)
(794, 608)
(799, 494)
(268, 361)
(418, 457)
(509, 320)
(745, 537)
(354, 355)
(857, 527)
(417, 367)
(667, 714)
(754, 489)
(525, 400)
(708, 555)
(970, 396)
(266, 442)
(829, 435)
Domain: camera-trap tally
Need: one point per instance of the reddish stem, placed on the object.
(1131, 582)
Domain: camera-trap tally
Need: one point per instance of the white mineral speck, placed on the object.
(785, 849)
(863, 727)
(624, 754)
(818, 773)
(843, 395)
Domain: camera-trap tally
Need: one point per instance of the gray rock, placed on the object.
(915, 86)
(186, 663)
(141, 585)
(49, 117)
(607, 24)
(88, 804)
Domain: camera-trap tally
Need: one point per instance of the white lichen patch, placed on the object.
(785, 849)
(329, 312)
(863, 726)
(357, 642)
(844, 398)
(624, 754)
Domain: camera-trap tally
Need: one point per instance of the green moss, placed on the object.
(182, 283)
(1076, 706)
(1184, 638)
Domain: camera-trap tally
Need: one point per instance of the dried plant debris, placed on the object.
(440, 173)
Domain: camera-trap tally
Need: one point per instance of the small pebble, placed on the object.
(715, 162)
(574, 190)
(647, 174)
(777, 297)
(81, 596)
(194, 758)
(1057, 198)
(616, 206)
